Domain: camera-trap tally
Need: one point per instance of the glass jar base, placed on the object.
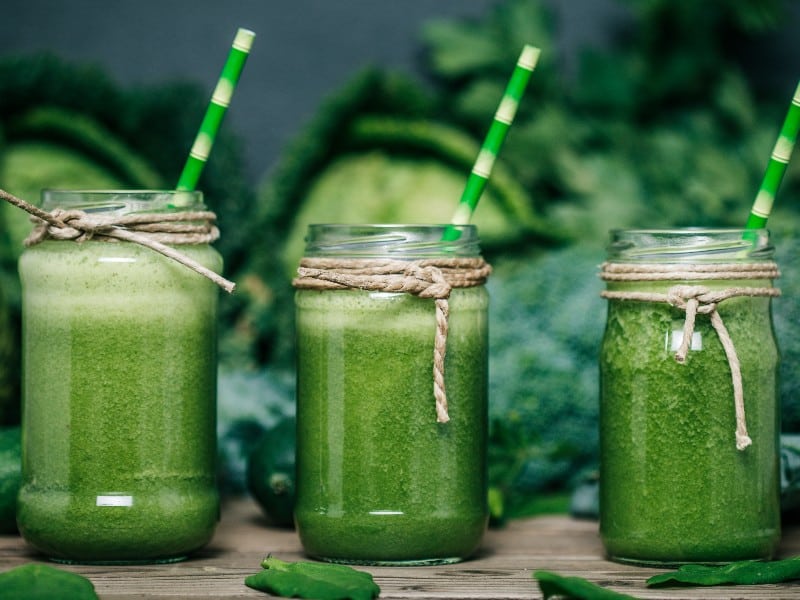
(425, 562)
(671, 564)
(146, 561)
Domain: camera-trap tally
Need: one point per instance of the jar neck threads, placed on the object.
(403, 242)
(695, 245)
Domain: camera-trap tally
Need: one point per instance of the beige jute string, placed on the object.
(699, 299)
(429, 278)
(152, 230)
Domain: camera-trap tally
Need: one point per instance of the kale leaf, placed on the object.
(746, 572)
(313, 580)
(42, 582)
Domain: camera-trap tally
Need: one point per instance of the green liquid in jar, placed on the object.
(379, 480)
(119, 391)
(674, 488)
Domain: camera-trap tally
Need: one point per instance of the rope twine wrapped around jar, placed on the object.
(698, 299)
(153, 230)
(429, 278)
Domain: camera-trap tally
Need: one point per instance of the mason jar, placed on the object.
(119, 390)
(389, 471)
(689, 418)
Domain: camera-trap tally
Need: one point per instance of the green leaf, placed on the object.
(494, 499)
(458, 50)
(42, 582)
(558, 586)
(746, 572)
(320, 581)
(468, 49)
(86, 135)
(10, 468)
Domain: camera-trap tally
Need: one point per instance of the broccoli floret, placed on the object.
(546, 323)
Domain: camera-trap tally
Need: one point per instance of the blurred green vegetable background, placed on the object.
(663, 128)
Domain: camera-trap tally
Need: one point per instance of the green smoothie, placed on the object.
(119, 402)
(674, 487)
(379, 480)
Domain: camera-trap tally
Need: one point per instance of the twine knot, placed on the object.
(438, 287)
(699, 299)
(152, 230)
(75, 227)
(692, 299)
(681, 296)
(427, 278)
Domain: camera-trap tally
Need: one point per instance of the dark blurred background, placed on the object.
(304, 49)
(651, 113)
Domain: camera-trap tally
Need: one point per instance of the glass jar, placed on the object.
(689, 456)
(119, 391)
(381, 479)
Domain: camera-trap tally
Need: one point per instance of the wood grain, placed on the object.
(501, 571)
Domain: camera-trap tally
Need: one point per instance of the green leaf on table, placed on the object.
(577, 588)
(42, 582)
(321, 581)
(746, 572)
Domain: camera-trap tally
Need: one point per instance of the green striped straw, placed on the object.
(777, 165)
(220, 100)
(484, 163)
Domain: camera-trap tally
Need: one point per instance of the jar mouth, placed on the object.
(391, 240)
(121, 201)
(690, 244)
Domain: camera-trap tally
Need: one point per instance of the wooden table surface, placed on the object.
(502, 570)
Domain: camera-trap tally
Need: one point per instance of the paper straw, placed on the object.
(505, 114)
(220, 100)
(777, 165)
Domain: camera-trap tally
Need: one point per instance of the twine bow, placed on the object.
(699, 299)
(152, 230)
(432, 278)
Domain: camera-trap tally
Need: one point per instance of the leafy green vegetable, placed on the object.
(475, 52)
(660, 115)
(320, 581)
(82, 133)
(42, 582)
(9, 360)
(558, 586)
(786, 314)
(544, 391)
(746, 572)
(10, 477)
(790, 475)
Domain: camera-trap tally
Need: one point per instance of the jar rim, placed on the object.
(684, 244)
(333, 225)
(122, 201)
(401, 240)
(694, 230)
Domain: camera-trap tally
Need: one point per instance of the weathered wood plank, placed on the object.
(501, 571)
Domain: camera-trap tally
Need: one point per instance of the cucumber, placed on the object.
(271, 473)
